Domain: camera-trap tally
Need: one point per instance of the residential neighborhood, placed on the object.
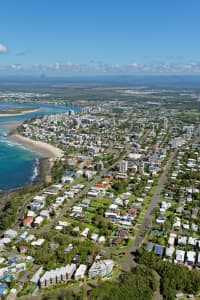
(88, 217)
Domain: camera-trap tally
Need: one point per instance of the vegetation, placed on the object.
(174, 278)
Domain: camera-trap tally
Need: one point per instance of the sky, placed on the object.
(78, 37)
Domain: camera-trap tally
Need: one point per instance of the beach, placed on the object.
(45, 149)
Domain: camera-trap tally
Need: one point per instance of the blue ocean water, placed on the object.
(18, 165)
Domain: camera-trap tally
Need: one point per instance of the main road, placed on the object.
(127, 263)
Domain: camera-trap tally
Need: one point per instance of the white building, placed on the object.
(180, 256)
(80, 272)
(101, 268)
(10, 234)
(123, 166)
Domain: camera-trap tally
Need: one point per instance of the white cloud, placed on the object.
(161, 67)
(3, 48)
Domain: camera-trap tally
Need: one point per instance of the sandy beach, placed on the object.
(45, 149)
(20, 114)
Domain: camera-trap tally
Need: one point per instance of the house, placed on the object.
(45, 213)
(94, 237)
(158, 250)
(149, 247)
(180, 256)
(10, 234)
(171, 240)
(80, 272)
(3, 289)
(110, 214)
(191, 257)
(77, 209)
(38, 221)
(102, 239)
(195, 211)
(85, 232)
(132, 211)
(192, 241)
(27, 221)
(69, 248)
(35, 278)
(182, 240)
(160, 219)
(169, 251)
(70, 269)
(116, 241)
(38, 242)
(177, 223)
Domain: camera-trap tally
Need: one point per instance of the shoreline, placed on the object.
(19, 114)
(47, 150)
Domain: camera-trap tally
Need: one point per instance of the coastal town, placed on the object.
(124, 177)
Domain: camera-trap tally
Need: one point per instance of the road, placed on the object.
(129, 262)
(156, 199)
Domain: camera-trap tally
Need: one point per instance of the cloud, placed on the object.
(98, 68)
(3, 48)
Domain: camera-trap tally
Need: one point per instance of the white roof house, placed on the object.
(80, 272)
(192, 241)
(191, 257)
(182, 240)
(94, 236)
(171, 240)
(180, 256)
(169, 251)
(38, 242)
(10, 234)
(85, 232)
(77, 209)
(102, 239)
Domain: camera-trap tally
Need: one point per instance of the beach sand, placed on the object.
(45, 149)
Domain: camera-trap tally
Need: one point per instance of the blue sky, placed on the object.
(98, 36)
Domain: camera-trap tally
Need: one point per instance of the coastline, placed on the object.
(47, 150)
(20, 114)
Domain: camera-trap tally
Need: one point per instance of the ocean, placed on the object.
(18, 165)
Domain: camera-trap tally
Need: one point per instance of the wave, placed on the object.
(36, 170)
(11, 143)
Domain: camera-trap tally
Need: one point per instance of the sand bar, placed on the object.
(45, 149)
(20, 114)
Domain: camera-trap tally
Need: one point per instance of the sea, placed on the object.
(19, 165)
